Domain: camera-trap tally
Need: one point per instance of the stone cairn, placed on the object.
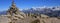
(12, 11)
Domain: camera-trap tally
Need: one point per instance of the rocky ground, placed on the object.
(5, 19)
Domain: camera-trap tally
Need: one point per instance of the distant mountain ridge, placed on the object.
(54, 11)
(3, 12)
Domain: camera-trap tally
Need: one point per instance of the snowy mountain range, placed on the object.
(54, 11)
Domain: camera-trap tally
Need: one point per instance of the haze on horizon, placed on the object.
(22, 4)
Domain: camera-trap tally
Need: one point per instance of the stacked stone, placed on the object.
(14, 13)
(13, 9)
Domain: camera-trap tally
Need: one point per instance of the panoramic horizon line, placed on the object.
(34, 7)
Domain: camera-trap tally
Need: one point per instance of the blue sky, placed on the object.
(21, 4)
